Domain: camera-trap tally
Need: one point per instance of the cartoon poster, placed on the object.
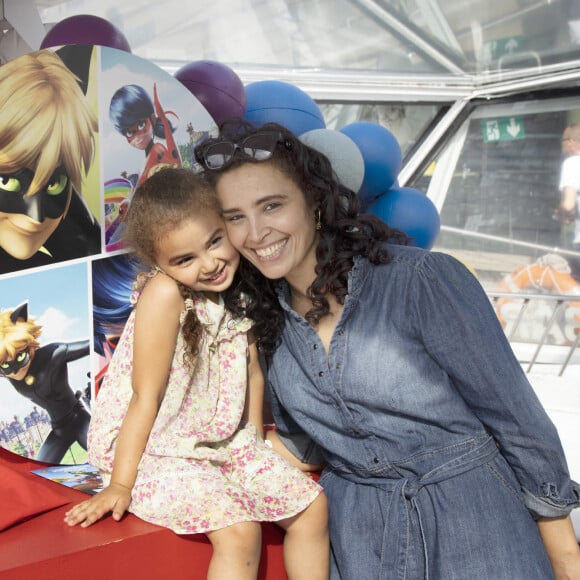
(112, 288)
(49, 189)
(148, 121)
(80, 128)
(45, 364)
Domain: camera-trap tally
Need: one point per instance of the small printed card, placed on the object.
(83, 477)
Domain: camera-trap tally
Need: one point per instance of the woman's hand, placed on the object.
(115, 498)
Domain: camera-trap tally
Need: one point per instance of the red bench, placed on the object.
(45, 548)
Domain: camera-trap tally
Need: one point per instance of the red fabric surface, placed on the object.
(24, 498)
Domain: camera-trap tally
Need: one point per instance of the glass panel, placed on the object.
(390, 36)
(495, 35)
(496, 184)
(406, 121)
(331, 34)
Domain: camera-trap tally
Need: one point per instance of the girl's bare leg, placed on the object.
(236, 552)
(306, 544)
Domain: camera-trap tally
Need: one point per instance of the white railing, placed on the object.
(543, 329)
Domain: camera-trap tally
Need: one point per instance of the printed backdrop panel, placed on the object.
(80, 128)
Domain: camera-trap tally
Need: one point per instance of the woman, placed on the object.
(439, 456)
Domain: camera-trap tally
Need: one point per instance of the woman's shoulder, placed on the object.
(413, 261)
(400, 256)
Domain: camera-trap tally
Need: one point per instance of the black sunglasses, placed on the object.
(259, 146)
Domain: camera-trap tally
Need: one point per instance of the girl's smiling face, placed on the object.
(198, 254)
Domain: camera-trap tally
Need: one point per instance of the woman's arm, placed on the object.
(253, 411)
(156, 327)
(562, 547)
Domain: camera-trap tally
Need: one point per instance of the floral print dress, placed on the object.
(203, 468)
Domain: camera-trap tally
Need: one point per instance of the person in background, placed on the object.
(568, 211)
(441, 461)
(177, 429)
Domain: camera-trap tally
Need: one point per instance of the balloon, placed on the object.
(410, 211)
(342, 152)
(282, 103)
(382, 157)
(85, 29)
(216, 86)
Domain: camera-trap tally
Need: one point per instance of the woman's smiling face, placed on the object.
(269, 221)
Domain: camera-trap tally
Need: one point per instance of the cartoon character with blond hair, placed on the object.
(47, 144)
(40, 374)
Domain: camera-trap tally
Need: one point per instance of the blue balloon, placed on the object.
(282, 103)
(410, 211)
(382, 157)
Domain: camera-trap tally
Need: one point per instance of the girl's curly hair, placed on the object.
(345, 232)
(160, 204)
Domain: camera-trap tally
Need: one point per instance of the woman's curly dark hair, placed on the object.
(345, 232)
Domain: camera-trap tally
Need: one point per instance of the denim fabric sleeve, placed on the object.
(460, 330)
(297, 442)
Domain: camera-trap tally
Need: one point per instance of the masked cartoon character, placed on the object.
(139, 119)
(47, 143)
(112, 280)
(40, 374)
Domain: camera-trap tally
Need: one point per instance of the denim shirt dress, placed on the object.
(439, 455)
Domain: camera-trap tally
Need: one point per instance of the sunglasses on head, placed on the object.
(259, 146)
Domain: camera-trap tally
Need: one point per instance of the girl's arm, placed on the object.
(156, 328)
(278, 446)
(253, 411)
(560, 543)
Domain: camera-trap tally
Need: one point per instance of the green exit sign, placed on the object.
(505, 129)
(494, 49)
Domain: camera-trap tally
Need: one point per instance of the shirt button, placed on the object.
(376, 460)
(314, 346)
(340, 332)
(321, 374)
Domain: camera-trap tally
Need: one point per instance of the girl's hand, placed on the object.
(115, 498)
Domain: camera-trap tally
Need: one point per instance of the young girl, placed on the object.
(177, 424)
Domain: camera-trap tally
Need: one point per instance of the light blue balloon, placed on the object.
(342, 152)
(410, 211)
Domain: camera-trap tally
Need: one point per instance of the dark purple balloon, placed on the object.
(85, 29)
(217, 87)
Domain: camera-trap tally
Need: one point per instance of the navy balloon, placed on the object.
(217, 87)
(85, 29)
(382, 157)
(410, 211)
(282, 103)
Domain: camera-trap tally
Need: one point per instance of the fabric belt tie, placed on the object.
(404, 505)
